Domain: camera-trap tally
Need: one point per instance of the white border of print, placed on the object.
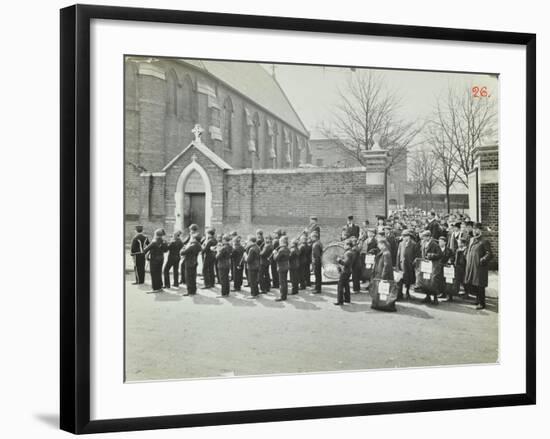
(112, 398)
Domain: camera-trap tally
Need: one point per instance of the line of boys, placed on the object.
(224, 257)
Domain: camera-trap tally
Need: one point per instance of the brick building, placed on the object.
(246, 165)
(325, 153)
(483, 193)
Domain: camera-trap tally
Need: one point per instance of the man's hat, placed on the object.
(443, 238)
(139, 229)
(426, 233)
(313, 218)
(457, 224)
(372, 230)
(406, 232)
(159, 232)
(226, 238)
(350, 217)
(469, 223)
(380, 217)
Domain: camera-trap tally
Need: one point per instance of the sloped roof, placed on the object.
(254, 82)
(201, 147)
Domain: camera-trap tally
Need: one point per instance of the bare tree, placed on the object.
(462, 120)
(446, 155)
(423, 172)
(368, 109)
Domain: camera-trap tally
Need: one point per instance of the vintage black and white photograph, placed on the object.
(293, 218)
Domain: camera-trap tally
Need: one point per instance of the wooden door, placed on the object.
(194, 210)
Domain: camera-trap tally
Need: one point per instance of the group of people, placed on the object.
(395, 244)
(269, 261)
(405, 238)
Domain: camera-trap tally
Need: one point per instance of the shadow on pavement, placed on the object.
(412, 312)
(167, 296)
(302, 305)
(237, 301)
(205, 300)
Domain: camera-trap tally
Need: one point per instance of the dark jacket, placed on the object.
(174, 249)
(478, 255)
(208, 249)
(430, 250)
(317, 253)
(314, 228)
(383, 267)
(302, 251)
(282, 257)
(294, 259)
(253, 257)
(265, 255)
(223, 257)
(156, 250)
(406, 254)
(346, 262)
(353, 230)
(139, 242)
(460, 264)
(237, 256)
(190, 253)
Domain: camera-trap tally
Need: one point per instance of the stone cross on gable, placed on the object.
(197, 131)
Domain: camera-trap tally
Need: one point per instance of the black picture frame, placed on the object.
(75, 217)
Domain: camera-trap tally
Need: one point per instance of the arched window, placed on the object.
(186, 101)
(171, 86)
(228, 123)
(256, 133)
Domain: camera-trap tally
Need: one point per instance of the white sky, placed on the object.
(313, 90)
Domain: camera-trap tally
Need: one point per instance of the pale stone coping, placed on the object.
(488, 176)
(153, 174)
(375, 178)
(151, 70)
(151, 102)
(296, 171)
(215, 158)
(485, 148)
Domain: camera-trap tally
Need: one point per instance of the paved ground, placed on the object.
(170, 336)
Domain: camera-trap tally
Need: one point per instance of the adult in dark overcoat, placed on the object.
(429, 249)
(383, 266)
(139, 242)
(406, 255)
(252, 259)
(477, 257)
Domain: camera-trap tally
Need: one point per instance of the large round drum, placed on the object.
(331, 252)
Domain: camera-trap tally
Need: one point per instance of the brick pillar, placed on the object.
(376, 164)
(486, 162)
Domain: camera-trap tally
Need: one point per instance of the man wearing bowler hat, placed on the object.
(352, 229)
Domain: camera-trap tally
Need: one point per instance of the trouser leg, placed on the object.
(253, 281)
(318, 277)
(166, 273)
(156, 275)
(191, 278)
(283, 284)
(275, 275)
(238, 279)
(140, 269)
(224, 280)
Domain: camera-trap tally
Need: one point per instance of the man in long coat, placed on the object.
(406, 254)
(477, 257)
(429, 249)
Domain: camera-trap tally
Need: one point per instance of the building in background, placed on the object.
(326, 153)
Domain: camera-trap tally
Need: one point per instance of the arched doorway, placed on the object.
(193, 198)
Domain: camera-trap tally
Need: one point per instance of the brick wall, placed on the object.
(486, 159)
(269, 199)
